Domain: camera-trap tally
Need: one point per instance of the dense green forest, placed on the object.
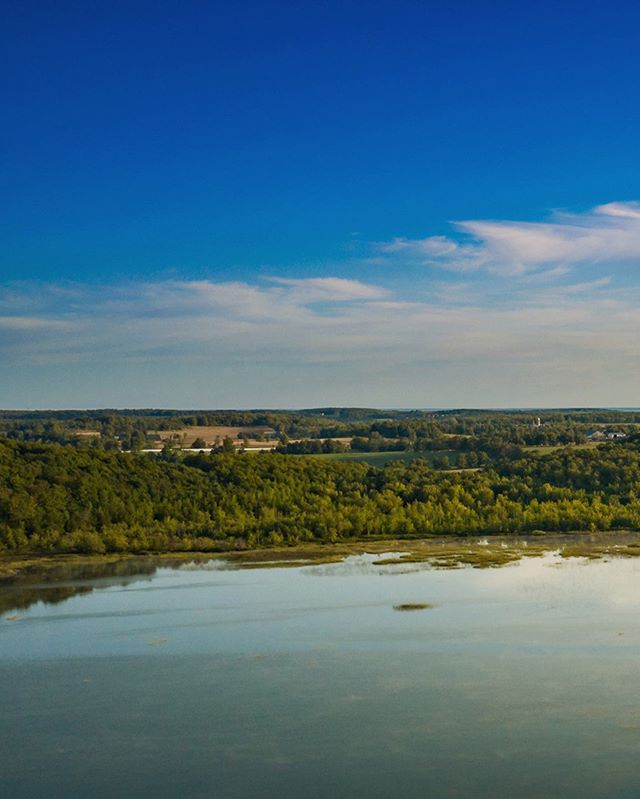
(57, 498)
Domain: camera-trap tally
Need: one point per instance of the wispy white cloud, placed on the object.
(184, 316)
(587, 285)
(607, 234)
(330, 289)
(33, 323)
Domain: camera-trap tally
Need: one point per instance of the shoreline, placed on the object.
(441, 552)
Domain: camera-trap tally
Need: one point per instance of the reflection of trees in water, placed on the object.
(22, 597)
(67, 580)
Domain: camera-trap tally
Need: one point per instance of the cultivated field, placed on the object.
(215, 434)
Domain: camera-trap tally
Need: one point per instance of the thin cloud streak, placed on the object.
(608, 234)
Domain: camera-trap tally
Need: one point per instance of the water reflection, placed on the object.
(67, 580)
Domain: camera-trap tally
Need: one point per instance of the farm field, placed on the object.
(545, 449)
(212, 434)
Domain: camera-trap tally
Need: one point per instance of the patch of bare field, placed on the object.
(213, 434)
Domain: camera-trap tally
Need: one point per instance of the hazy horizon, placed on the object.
(300, 408)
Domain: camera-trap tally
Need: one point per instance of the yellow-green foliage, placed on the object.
(63, 499)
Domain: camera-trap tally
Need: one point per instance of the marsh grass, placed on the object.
(441, 553)
(460, 553)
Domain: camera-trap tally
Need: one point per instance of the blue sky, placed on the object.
(283, 204)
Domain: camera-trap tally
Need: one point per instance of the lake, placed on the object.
(208, 680)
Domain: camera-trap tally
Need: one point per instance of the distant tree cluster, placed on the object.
(311, 446)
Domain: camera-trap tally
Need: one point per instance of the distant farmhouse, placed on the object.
(603, 435)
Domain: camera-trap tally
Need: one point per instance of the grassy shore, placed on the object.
(488, 552)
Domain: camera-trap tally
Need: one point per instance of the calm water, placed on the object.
(208, 681)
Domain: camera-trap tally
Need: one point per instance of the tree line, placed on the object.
(62, 499)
